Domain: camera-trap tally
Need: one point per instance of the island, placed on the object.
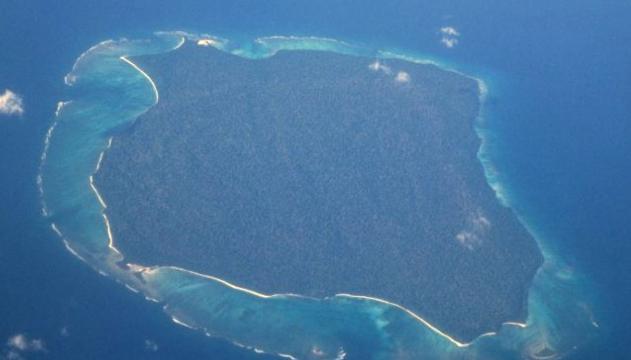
(316, 173)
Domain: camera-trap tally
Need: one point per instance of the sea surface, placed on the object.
(555, 124)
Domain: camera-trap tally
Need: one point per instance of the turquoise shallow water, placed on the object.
(107, 93)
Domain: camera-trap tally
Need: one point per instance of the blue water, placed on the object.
(558, 114)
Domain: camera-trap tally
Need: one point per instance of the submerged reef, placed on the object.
(317, 174)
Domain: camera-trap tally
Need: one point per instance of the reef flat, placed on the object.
(317, 173)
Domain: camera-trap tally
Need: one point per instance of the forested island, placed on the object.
(316, 173)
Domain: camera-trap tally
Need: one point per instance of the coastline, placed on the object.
(150, 270)
(153, 84)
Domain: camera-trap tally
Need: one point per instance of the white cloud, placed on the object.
(449, 36)
(19, 344)
(11, 103)
(468, 239)
(449, 43)
(378, 66)
(402, 77)
(481, 222)
(449, 31)
(477, 228)
(64, 331)
(151, 345)
(22, 342)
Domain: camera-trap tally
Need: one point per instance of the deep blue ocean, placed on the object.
(559, 109)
